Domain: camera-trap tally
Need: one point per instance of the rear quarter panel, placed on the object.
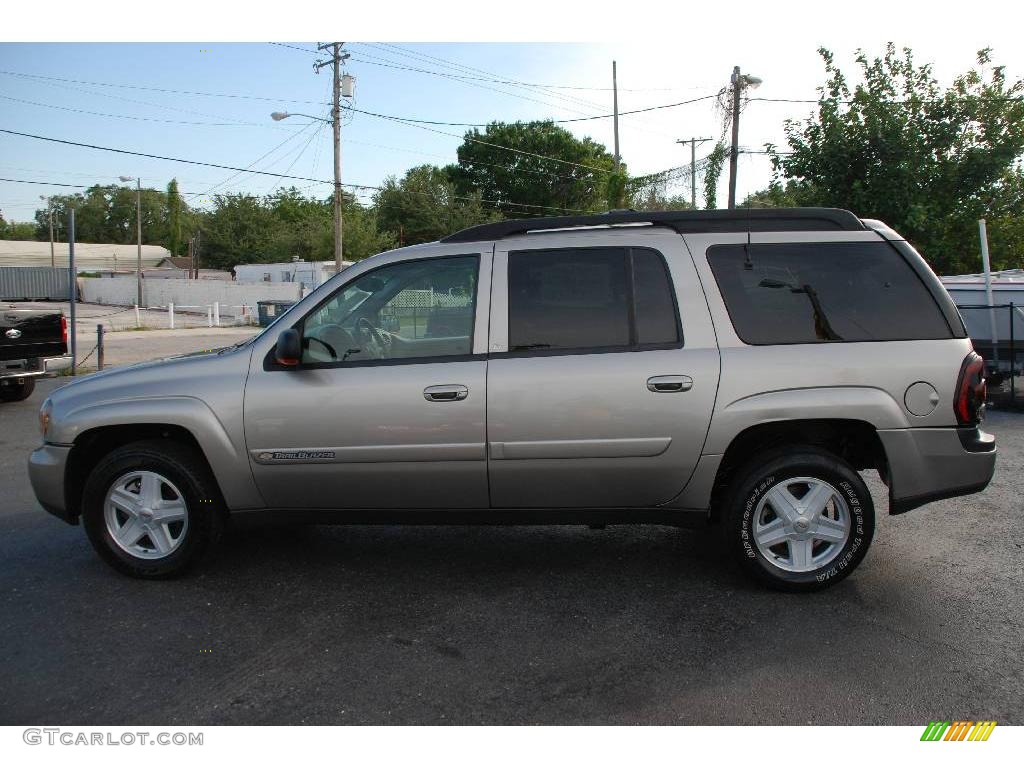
(862, 380)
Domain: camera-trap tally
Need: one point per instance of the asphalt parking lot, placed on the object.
(510, 625)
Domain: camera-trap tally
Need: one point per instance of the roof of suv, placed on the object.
(736, 220)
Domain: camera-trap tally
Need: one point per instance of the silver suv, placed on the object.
(738, 368)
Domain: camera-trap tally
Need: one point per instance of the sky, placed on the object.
(133, 96)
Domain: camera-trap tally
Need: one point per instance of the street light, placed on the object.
(138, 232)
(344, 86)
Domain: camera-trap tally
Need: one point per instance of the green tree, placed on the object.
(106, 214)
(775, 195)
(238, 230)
(549, 172)
(712, 173)
(424, 206)
(927, 160)
(17, 230)
(173, 218)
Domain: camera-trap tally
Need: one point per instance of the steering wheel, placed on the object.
(325, 345)
(375, 341)
(339, 339)
(366, 328)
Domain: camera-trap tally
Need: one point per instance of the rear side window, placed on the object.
(805, 293)
(590, 298)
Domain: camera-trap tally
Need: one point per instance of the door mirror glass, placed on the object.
(288, 350)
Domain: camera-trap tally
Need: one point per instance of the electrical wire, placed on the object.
(119, 117)
(507, 203)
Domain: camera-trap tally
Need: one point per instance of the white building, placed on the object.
(89, 257)
(969, 294)
(309, 273)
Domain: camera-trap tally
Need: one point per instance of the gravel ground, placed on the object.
(632, 624)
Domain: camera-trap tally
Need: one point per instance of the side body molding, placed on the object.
(228, 461)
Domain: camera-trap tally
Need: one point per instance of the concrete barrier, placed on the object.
(234, 300)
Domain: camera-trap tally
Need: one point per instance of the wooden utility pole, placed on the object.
(615, 110)
(694, 141)
(734, 150)
(336, 60)
(739, 82)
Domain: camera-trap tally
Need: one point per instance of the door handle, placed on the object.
(669, 383)
(443, 393)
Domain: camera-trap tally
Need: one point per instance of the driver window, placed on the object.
(412, 309)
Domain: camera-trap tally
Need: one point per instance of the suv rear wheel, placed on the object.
(799, 518)
(151, 508)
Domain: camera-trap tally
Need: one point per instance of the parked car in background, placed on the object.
(732, 368)
(33, 343)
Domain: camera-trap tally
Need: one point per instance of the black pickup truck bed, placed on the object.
(33, 342)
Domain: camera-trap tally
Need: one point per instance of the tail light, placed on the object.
(64, 331)
(970, 391)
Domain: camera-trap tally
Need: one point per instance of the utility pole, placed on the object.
(337, 59)
(739, 82)
(72, 290)
(53, 257)
(138, 234)
(693, 167)
(615, 109)
(734, 150)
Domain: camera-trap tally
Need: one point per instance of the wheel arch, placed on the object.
(854, 440)
(96, 430)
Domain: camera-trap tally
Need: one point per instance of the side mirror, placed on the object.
(289, 348)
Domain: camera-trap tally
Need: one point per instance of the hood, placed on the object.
(199, 375)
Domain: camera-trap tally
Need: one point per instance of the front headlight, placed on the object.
(44, 416)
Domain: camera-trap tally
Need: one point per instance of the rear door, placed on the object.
(603, 370)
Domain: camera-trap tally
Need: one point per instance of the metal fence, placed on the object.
(1002, 353)
(33, 283)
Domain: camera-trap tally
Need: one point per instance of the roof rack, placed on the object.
(735, 220)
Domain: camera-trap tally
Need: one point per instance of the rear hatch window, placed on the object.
(805, 293)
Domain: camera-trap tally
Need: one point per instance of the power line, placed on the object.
(477, 82)
(161, 90)
(260, 173)
(269, 152)
(306, 101)
(119, 117)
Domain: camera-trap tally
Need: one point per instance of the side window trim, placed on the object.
(483, 263)
(499, 331)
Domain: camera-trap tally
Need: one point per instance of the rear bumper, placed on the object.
(46, 472)
(926, 465)
(44, 367)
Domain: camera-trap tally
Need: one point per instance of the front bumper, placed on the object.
(46, 473)
(929, 464)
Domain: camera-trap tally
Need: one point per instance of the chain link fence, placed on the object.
(996, 331)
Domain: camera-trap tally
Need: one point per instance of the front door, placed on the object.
(387, 408)
(603, 370)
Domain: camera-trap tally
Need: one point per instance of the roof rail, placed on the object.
(735, 220)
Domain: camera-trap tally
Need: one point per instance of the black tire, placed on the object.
(11, 392)
(758, 477)
(188, 471)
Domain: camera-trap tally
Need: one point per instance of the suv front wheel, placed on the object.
(799, 518)
(150, 508)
